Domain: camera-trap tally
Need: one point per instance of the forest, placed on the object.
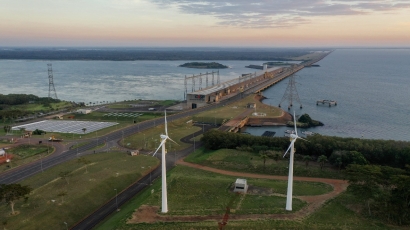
(382, 152)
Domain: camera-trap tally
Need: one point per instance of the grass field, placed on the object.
(234, 109)
(234, 160)
(195, 192)
(126, 104)
(39, 107)
(150, 139)
(85, 189)
(24, 154)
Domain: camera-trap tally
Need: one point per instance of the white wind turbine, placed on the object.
(293, 138)
(164, 171)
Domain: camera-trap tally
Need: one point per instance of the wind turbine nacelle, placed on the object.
(293, 136)
(163, 136)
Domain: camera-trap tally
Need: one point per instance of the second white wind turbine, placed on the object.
(293, 137)
(163, 169)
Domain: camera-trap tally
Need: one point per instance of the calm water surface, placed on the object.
(370, 85)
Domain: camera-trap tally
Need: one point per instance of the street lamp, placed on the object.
(41, 163)
(194, 141)
(116, 201)
(150, 175)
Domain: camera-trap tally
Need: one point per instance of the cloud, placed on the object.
(279, 13)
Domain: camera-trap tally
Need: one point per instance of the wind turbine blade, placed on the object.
(294, 122)
(303, 139)
(291, 143)
(162, 142)
(172, 140)
(166, 128)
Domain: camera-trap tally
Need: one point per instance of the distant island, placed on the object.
(204, 65)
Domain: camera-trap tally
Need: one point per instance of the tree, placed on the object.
(64, 176)
(84, 161)
(62, 194)
(264, 156)
(276, 157)
(307, 159)
(322, 161)
(84, 129)
(7, 128)
(12, 193)
(339, 163)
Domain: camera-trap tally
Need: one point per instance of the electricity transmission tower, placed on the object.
(291, 94)
(51, 89)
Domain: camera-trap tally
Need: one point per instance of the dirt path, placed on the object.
(148, 214)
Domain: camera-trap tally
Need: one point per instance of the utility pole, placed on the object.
(291, 94)
(51, 89)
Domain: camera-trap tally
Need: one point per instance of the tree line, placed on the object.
(19, 99)
(383, 191)
(337, 149)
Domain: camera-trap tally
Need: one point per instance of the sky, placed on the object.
(188, 23)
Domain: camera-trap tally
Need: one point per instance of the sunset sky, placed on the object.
(165, 23)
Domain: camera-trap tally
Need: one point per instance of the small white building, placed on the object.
(84, 111)
(2, 152)
(241, 186)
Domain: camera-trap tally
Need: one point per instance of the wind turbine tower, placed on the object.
(293, 137)
(163, 167)
(51, 89)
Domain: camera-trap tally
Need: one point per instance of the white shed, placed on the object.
(2, 152)
(241, 186)
(84, 111)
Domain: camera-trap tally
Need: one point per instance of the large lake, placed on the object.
(370, 85)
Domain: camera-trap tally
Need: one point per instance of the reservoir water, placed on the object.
(370, 85)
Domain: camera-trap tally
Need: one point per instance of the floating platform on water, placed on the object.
(268, 134)
(326, 102)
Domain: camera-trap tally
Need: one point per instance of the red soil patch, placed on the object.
(3, 159)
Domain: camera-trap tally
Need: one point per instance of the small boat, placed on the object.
(289, 131)
(308, 133)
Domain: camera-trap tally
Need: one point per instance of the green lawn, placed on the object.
(126, 104)
(87, 189)
(234, 160)
(197, 192)
(39, 107)
(24, 154)
(234, 109)
(150, 139)
(191, 193)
